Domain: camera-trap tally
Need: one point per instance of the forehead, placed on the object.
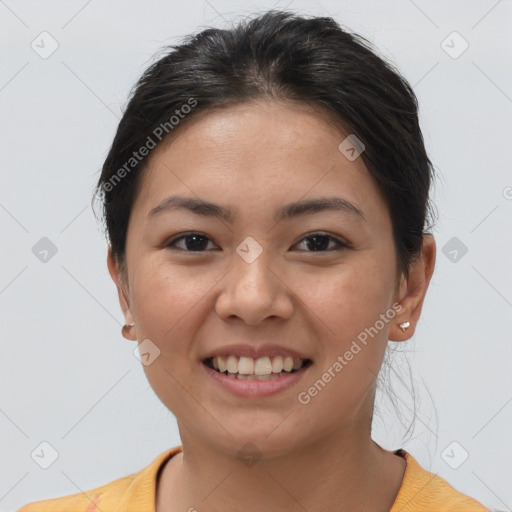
(258, 153)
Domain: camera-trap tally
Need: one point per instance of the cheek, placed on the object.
(350, 298)
(168, 300)
(346, 308)
(348, 305)
(165, 297)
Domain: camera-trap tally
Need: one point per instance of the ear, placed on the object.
(117, 275)
(413, 290)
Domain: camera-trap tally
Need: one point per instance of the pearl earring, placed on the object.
(405, 325)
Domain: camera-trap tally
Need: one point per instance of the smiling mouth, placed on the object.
(298, 366)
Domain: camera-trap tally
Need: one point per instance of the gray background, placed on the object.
(70, 379)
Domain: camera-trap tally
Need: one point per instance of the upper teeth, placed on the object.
(261, 366)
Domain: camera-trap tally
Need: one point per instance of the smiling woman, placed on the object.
(265, 251)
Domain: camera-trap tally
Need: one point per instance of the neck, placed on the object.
(351, 471)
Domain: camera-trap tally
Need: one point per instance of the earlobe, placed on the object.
(400, 331)
(126, 331)
(115, 274)
(413, 291)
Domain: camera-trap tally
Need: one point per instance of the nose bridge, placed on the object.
(252, 291)
(251, 273)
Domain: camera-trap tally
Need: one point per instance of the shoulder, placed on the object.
(94, 500)
(133, 492)
(422, 490)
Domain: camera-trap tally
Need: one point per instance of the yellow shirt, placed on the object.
(421, 491)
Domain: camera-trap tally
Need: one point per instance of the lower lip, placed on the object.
(255, 388)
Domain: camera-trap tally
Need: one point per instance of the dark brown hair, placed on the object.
(285, 57)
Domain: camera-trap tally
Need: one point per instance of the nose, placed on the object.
(253, 291)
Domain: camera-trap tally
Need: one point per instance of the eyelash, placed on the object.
(340, 244)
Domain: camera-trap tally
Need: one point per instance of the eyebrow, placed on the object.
(285, 212)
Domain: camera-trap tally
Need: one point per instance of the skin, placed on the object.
(253, 158)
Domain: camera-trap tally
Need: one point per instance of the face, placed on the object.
(310, 282)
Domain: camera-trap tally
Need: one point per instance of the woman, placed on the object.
(266, 199)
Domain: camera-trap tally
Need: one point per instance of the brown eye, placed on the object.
(319, 242)
(193, 242)
(316, 242)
